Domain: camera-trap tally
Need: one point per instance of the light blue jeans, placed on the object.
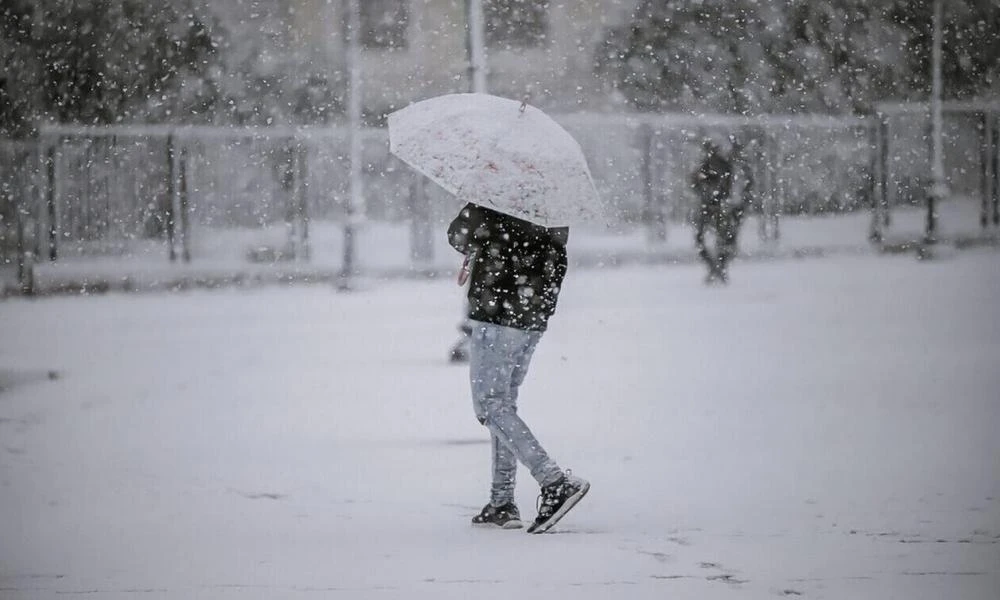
(498, 361)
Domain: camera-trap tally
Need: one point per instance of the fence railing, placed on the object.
(971, 144)
(86, 191)
(19, 176)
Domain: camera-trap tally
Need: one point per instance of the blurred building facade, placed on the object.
(414, 49)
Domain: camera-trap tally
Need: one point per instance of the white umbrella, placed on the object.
(498, 153)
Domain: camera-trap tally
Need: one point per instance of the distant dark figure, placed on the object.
(722, 189)
(459, 352)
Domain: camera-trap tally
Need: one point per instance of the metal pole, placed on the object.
(985, 137)
(81, 223)
(302, 176)
(184, 208)
(938, 190)
(168, 215)
(781, 196)
(875, 188)
(24, 207)
(994, 159)
(294, 190)
(25, 258)
(421, 227)
(883, 182)
(290, 194)
(51, 201)
(476, 40)
(115, 195)
(656, 221)
(18, 202)
(356, 195)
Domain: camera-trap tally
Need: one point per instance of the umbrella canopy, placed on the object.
(498, 153)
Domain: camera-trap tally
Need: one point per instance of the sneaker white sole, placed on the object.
(512, 524)
(565, 508)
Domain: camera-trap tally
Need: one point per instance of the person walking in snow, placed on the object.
(719, 210)
(515, 270)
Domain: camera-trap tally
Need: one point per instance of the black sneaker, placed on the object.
(506, 516)
(460, 351)
(556, 500)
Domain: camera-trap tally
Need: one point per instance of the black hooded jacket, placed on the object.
(713, 180)
(517, 267)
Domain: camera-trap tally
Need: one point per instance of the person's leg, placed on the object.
(735, 220)
(701, 221)
(729, 227)
(721, 223)
(504, 460)
(707, 218)
(504, 472)
(459, 352)
(497, 353)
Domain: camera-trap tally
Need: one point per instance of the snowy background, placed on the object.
(823, 427)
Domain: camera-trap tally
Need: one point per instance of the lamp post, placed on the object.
(355, 197)
(939, 189)
(475, 45)
(476, 42)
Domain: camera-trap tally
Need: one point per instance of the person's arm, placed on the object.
(698, 177)
(467, 231)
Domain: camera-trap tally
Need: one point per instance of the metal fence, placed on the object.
(799, 164)
(19, 175)
(97, 191)
(971, 144)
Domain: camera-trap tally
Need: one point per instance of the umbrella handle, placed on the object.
(466, 270)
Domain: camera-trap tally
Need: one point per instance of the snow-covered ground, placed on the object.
(818, 429)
